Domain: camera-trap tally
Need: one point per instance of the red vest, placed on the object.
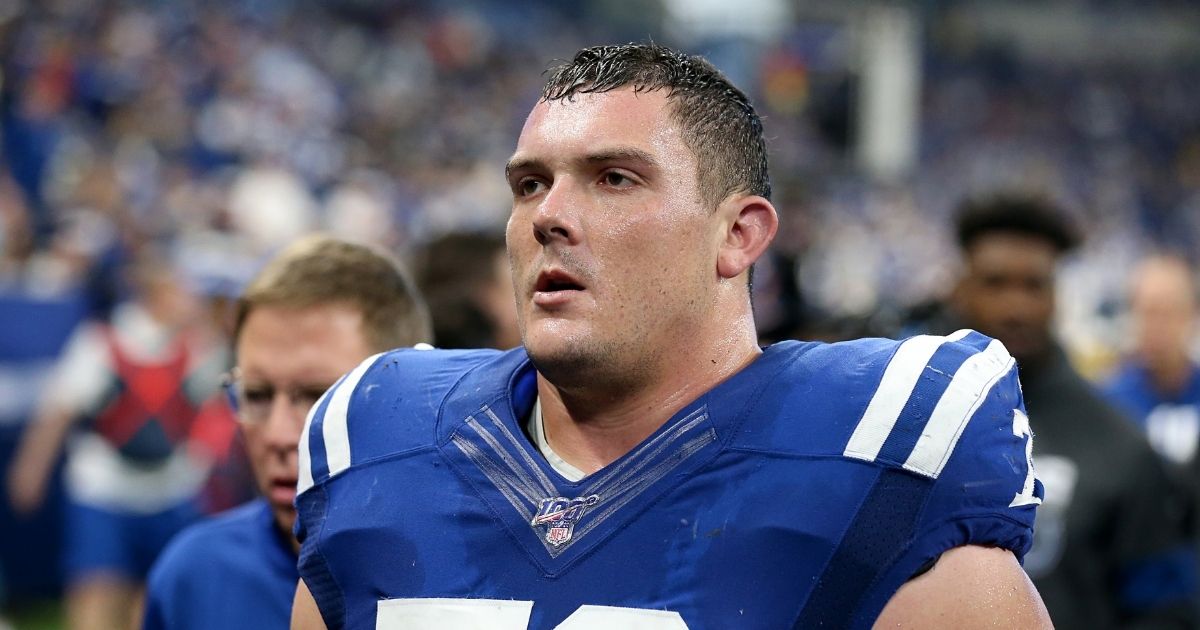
(150, 414)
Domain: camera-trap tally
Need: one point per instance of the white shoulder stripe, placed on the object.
(333, 428)
(898, 382)
(305, 479)
(967, 391)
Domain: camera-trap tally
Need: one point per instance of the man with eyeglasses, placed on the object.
(315, 312)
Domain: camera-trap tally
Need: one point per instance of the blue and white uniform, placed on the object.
(801, 492)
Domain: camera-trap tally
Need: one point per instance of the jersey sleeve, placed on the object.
(325, 440)
(948, 427)
(324, 453)
(386, 406)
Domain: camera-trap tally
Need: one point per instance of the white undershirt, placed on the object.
(537, 429)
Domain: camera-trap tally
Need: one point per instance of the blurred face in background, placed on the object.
(498, 302)
(286, 358)
(1163, 309)
(168, 298)
(1007, 291)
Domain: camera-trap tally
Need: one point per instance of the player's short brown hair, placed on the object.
(718, 123)
(321, 269)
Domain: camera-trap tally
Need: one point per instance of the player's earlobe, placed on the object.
(749, 229)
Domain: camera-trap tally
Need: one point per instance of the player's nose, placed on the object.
(556, 219)
(282, 427)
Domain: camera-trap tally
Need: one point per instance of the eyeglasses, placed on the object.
(253, 402)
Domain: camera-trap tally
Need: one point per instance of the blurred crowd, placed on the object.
(211, 134)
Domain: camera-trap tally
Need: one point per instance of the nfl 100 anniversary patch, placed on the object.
(559, 516)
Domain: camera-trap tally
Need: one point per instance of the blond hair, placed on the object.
(321, 269)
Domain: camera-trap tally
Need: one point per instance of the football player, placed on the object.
(641, 462)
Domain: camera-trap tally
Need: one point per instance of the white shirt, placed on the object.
(537, 429)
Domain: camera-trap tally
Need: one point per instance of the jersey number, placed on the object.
(500, 614)
(1021, 430)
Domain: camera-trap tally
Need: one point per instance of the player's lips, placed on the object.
(282, 490)
(554, 287)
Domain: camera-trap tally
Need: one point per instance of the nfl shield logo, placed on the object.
(558, 534)
(559, 515)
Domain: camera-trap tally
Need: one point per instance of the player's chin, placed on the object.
(285, 518)
(555, 335)
(565, 360)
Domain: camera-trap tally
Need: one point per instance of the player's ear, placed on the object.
(749, 224)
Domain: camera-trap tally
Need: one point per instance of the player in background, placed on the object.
(1158, 384)
(1109, 549)
(313, 313)
(131, 388)
(641, 461)
(464, 278)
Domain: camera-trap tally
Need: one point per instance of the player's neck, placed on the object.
(591, 427)
(1171, 375)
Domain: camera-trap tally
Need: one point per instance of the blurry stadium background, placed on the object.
(220, 130)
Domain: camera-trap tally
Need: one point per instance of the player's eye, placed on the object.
(306, 397)
(258, 395)
(527, 186)
(616, 180)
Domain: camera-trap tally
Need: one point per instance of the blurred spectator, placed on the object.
(1159, 384)
(133, 387)
(316, 311)
(1109, 547)
(465, 277)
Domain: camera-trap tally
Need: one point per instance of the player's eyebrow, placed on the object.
(625, 154)
(523, 164)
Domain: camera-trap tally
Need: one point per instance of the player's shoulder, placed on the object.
(1126, 383)
(902, 403)
(387, 405)
(928, 393)
(199, 545)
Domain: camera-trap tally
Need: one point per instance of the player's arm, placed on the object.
(79, 383)
(305, 614)
(969, 587)
(34, 461)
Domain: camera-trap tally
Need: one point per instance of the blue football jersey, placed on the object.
(801, 492)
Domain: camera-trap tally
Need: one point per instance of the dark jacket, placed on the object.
(1110, 549)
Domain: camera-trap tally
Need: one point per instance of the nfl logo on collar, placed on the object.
(559, 516)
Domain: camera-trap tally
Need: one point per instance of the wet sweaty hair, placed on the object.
(1027, 215)
(719, 125)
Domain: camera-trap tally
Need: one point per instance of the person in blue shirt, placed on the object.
(314, 312)
(1159, 384)
(641, 462)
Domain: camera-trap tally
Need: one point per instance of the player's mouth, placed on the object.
(555, 287)
(282, 490)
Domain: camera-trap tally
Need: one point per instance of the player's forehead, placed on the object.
(289, 345)
(1013, 251)
(591, 122)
